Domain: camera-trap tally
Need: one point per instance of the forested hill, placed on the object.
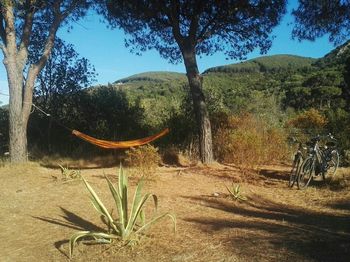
(337, 57)
(274, 63)
(277, 86)
(154, 76)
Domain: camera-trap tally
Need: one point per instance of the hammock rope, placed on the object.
(104, 143)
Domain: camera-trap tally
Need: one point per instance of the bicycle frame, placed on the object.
(317, 163)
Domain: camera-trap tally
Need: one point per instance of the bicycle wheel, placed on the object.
(333, 165)
(295, 169)
(306, 172)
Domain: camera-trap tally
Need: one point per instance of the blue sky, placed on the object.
(105, 50)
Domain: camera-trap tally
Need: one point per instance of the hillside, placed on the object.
(274, 63)
(152, 84)
(337, 57)
(156, 76)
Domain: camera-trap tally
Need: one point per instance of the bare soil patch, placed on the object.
(276, 223)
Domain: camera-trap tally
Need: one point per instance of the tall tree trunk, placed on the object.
(200, 107)
(17, 127)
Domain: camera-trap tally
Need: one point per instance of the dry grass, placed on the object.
(276, 223)
(248, 141)
(142, 161)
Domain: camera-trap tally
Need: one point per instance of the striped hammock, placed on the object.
(119, 144)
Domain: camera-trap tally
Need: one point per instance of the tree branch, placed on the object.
(197, 10)
(203, 34)
(27, 28)
(50, 38)
(173, 16)
(35, 69)
(2, 29)
(10, 30)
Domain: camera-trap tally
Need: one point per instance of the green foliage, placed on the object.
(339, 125)
(150, 25)
(126, 226)
(235, 192)
(267, 64)
(314, 19)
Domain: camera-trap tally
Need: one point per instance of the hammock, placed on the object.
(119, 144)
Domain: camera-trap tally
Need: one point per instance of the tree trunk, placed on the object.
(17, 127)
(200, 107)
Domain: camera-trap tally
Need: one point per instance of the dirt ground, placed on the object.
(38, 216)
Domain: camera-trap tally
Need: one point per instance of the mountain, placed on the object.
(336, 57)
(274, 63)
(156, 76)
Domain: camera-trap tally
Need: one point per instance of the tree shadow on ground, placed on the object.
(254, 226)
(341, 205)
(70, 220)
(275, 174)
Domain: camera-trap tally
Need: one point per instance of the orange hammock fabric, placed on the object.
(119, 144)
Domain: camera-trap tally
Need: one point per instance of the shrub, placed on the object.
(310, 119)
(130, 221)
(247, 141)
(174, 157)
(144, 160)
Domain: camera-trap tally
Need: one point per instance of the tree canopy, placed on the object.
(233, 27)
(65, 73)
(315, 18)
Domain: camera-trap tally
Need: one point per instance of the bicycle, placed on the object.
(298, 160)
(322, 161)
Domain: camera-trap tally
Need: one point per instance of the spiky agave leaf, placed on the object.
(64, 171)
(123, 192)
(98, 236)
(236, 192)
(119, 204)
(99, 206)
(154, 220)
(230, 191)
(136, 210)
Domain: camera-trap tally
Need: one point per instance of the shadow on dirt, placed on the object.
(274, 174)
(311, 235)
(341, 205)
(71, 220)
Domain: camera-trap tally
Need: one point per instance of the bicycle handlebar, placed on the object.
(319, 137)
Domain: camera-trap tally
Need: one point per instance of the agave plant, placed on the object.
(235, 192)
(68, 174)
(125, 227)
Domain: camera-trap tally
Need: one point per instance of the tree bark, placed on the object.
(200, 107)
(15, 59)
(17, 128)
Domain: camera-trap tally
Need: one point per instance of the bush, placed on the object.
(144, 159)
(310, 119)
(175, 157)
(247, 142)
